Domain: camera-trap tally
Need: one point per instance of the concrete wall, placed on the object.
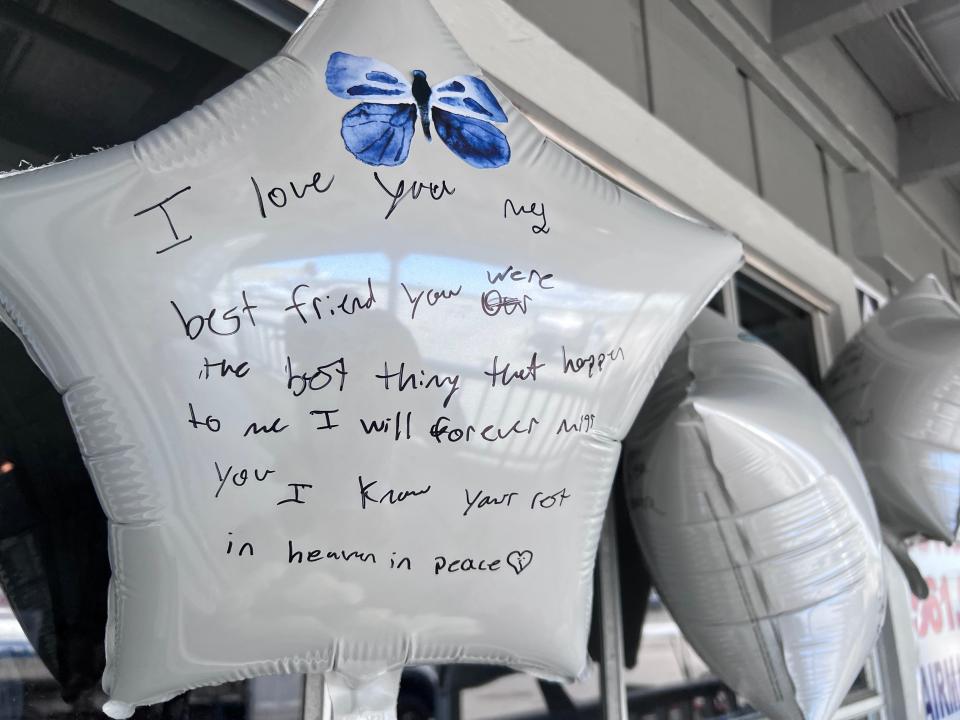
(652, 51)
(609, 35)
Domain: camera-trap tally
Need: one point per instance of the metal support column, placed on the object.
(612, 694)
(316, 702)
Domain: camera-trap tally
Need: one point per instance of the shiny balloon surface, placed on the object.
(349, 350)
(756, 523)
(895, 388)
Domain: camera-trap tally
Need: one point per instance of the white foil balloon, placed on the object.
(351, 399)
(756, 523)
(895, 389)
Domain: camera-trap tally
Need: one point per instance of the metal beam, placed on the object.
(283, 13)
(316, 703)
(20, 17)
(928, 143)
(795, 23)
(880, 229)
(820, 91)
(613, 696)
(648, 154)
(222, 27)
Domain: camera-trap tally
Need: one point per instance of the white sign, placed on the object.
(936, 622)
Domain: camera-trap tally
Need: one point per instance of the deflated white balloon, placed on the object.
(895, 389)
(351, 399)
(756, 523)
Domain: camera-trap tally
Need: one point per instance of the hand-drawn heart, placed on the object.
(519, 560)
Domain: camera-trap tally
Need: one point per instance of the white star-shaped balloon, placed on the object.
(349, 350)
(756, 523)
(894, 388)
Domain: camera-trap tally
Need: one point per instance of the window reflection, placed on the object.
(786, 328)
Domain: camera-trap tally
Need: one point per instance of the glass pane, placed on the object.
(506, 694)
(785, 327)
(861, 682)
(716, 303)
(868, 305)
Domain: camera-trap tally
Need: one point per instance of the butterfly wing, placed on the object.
(379, 134)
(361, 78)
(468, 96)
(378, 131)
(477, 142)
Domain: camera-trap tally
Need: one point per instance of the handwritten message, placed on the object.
(321, 380)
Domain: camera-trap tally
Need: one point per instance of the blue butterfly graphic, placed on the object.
(378, 131)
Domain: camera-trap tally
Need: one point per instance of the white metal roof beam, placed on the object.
(795, 23)
(831, 101)
(510, 47)
(928, 143)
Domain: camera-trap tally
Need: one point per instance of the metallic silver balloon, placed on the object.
(895, 389)
(756, 523)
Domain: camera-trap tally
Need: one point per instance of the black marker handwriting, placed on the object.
(432, 297)
(356, 556)
(505, 375)
(583, 424)
(327, 420)
(530, 277)
(239, 478)
(274, 428)
(211, 423)
(412, 380)
(297, 487)
(401, 428)
(483, 499)
(228, 324)
(319, 379)
(161, 206)
(465, 564)
(223, 368)
(436, 191)
(493, 302)
(349, 303)
(532, 209)
(278, 196)
(590, 362)
(442, 431)
(389, 497)
(545, 501)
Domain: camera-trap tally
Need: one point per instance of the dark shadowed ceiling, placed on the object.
(911, 55)
(80, 74)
